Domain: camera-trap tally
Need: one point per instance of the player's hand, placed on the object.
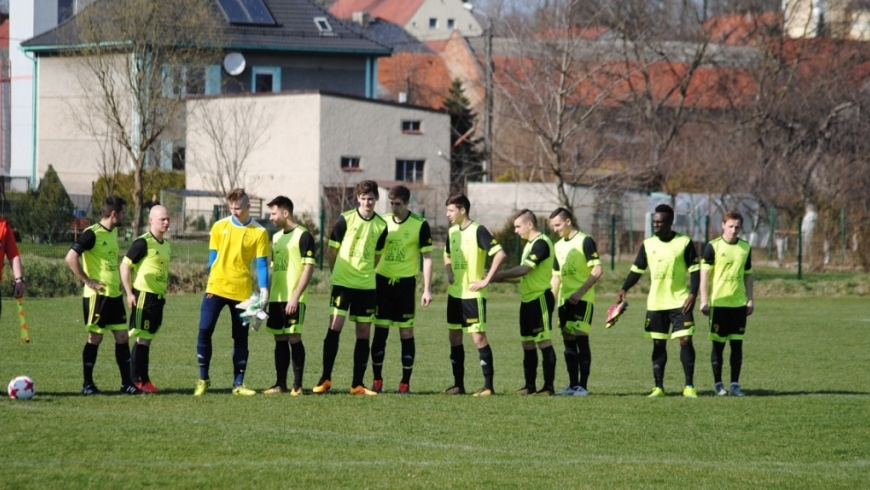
(689, 305)
(478, 285)
(264, 298)
(426, 298)
(95, 285)
(18, 289)
(292, 307)
(750, 307)
(450, 278)
(705, 309)
(620, 296)
(575, 298)
(131, 302)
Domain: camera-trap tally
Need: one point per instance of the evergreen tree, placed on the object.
(466, 155)
(52, 212)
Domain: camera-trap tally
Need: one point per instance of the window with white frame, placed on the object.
(323, 26)
(350, 164)
(412, 127)
(182, 80)
(173, 155)
(410, 170)
(433, 23)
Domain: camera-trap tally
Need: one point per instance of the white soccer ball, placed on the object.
(21, 388)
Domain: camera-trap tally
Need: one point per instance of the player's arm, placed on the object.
(335, 238)
(497, 259)
(379, 247)
(262, 261)
(138, 250)
(694, 268)
(486, 242)
(748, 283)
(306, 249)
(86, 241)
(590, 250)
(634, 275)
(707, 264)
(15, 262)
(448, 264)
(426, 297)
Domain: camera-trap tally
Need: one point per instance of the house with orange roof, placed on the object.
(427, 20)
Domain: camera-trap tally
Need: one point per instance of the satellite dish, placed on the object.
(234, 63)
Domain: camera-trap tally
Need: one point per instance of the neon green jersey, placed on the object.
(670, 264)
(291, 252)
(728, 263)
(467, 249)
(575, 258)
(150, 260)
(537, 254)
(358, 241)
(237, 246)
(405, 242)
(98, 248)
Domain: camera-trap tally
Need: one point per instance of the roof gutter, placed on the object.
(74, 47)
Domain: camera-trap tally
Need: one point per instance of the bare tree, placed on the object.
(137, 61)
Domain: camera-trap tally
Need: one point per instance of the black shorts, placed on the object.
(535, 318)
(281, 322)
(727, 323)
(358, 305)
(102, 312)
(146, 319)
(575, 318)
(466, 313)
(396, 302)
(658, 324)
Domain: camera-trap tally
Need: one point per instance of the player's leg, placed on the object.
(276, 325)
(382, 321)
(240, 351)
(657, 327)
(736, 365)
(409, 352)
(149, 318)
(297, 357)
(457, 350)
(583, 325)
(209, 312)
(570, 342)
(530, 368)
(113, 317)
(339, 301)
(362, 312)
(684, 328)
(545, 343)
(92, 345)
(716, 356)
(475, 317)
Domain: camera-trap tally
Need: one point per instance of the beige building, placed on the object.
(426, 20)
(318, 144)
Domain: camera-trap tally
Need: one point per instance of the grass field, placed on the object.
(804, 424)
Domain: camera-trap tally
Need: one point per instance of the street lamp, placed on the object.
(487, 82)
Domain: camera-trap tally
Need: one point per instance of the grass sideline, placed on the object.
(805, 423)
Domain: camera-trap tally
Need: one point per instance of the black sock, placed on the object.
(409, 351)
(687, 357)
(486, 366)
(141, 362)
(584, 359)
(457, 361)
(360, 361)
(298, 359)
(379, 347)
(716, 355)
(571, 359)
(89, 358)
(736, 360)
(530, 367)
(548, 359)
(134, 362)
(282, 362)
(122, 357)
(330, 350)
(659, 360)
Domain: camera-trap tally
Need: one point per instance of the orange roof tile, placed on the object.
(742, 29)
(423, 76)
(395, 11)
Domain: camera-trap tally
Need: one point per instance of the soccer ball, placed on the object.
(21, 388)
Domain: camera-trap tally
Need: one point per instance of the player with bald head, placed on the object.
(147, 260)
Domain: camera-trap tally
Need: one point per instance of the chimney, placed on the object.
(362, 18)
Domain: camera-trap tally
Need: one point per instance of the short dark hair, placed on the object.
(460, 201)
(238, 195)
(400, 192)
(665, 209)
(282, 202)
(367, 187)
(562, 213)
(112, 203)
(733, 215)
(527, 215)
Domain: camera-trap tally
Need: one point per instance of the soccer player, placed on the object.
(468, 245)
(355, 245)
(575, 271)
(726, 297)
(9, 250)
(149, 257)
(292, 266)
(234, 243)
(93, 258)
(536, 302)
(674, 282)
(408, 237)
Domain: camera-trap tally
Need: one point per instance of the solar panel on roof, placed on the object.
(247, 12)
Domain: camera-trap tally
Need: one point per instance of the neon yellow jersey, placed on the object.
(358, 241)
(537, 254)
(728, 263)
(467, 249)
(670, 264)
(237, 246)
(405, 242)
(98, 248)
(575, 258)
(291, 252)
(149, 258)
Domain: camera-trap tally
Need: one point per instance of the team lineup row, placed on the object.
(374, 261)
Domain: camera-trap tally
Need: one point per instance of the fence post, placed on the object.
(322, 234)
(800, 251)
(771, 222)
(612, 242)
(843, 232)
(706, 231)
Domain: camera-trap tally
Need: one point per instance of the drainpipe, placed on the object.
(34, 88)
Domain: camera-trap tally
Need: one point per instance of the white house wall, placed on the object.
(441, 10)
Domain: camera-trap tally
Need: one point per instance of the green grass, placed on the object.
(804, 424)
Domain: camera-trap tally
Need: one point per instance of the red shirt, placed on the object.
(8, 247)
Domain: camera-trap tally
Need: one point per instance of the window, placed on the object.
(266, 79)
(183, 80)
(172, 155)
(350, 164)
(409, 170)
(451, 24)
(411, 127)
(252, 12)
(323, 26)
(433, 23)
